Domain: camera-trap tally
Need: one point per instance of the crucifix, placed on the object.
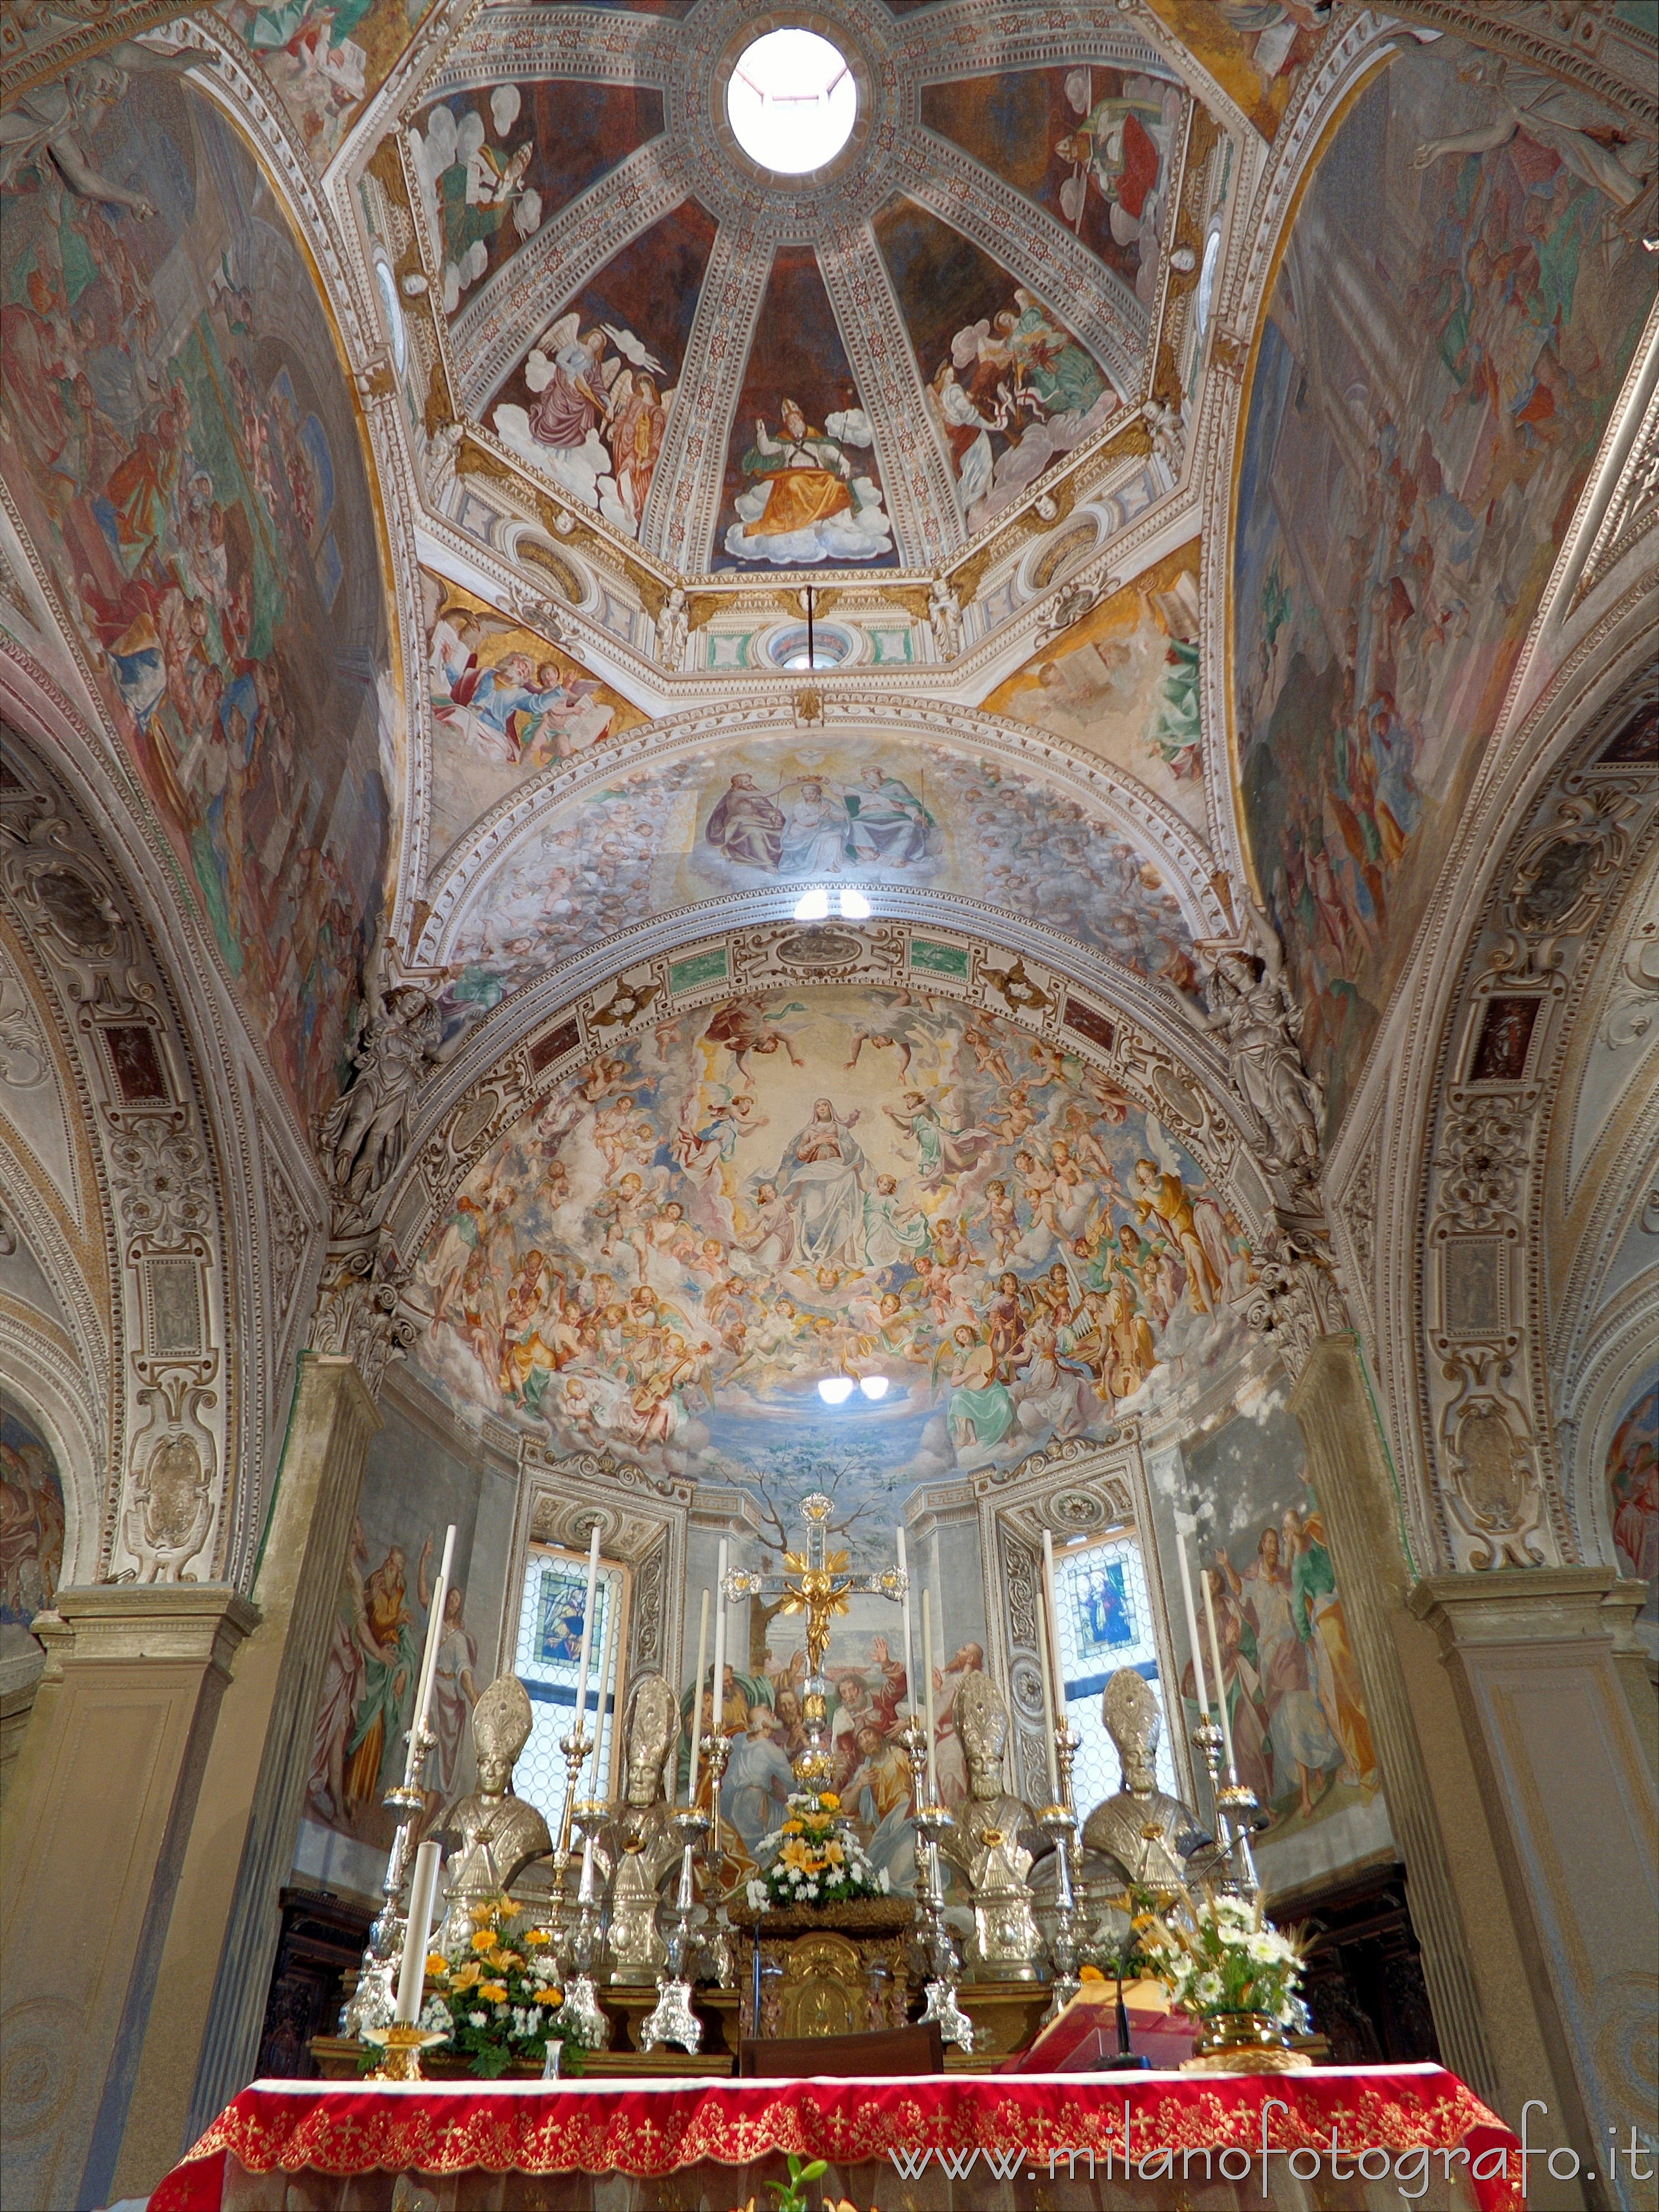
(816, 1583)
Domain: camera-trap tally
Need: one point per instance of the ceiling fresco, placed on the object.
(326, 58)
(883, 812)
(654, 326)
(856, 1186)
(1399, 504)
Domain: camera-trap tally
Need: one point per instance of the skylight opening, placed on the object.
(793, 101)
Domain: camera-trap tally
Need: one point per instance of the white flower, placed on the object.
(436, 2014)
(755, 1892)
(882, 1879)
(478, 2018)
(534, 2020)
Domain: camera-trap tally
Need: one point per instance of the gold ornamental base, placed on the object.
(401, 2049)
(1244, 2043)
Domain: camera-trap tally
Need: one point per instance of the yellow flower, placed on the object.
(796, 1855)
(551, 1997)
(436, 1964)
(1090, 1974)
(829, 1800)
(506, 1959)
(836, 1854)
(484, 1941)
(791, 1829)
(466, 1976)
(493, 1992)
(537, 1936)
(482, 1916)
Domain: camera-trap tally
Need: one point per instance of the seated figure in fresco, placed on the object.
(1139, 1836)
(500, 1835)
(635, 1850)
(996, 1843)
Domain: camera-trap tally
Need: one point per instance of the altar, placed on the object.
(1348, 2137)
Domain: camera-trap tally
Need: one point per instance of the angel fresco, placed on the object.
(1015, 391)
(599, 414)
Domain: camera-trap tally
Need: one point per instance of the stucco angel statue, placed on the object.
(397, 1044)
(1257, 1020)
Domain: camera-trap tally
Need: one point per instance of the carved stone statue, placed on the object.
(945, 612)
(995, 1842)
(1144, 1837)
(636, 1850)
(673, 629)
(397, 1047)
(1257, 1019)
(499, 1833)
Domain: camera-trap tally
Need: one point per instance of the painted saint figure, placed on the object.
(746, 827)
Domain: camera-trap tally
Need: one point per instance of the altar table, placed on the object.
(1403, 2135)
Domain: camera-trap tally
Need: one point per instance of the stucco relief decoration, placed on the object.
(1484, 1156)
(1495, 1492)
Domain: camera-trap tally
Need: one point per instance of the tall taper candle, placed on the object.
(927, 1675)
(1220, 1686)
(909, 1643)
(411, 1973)
(720, 1635)
(697, 1700)
(434, 1637)
(612, 1608)
(1053, 1626)
(1192, 1622)
(587, 1631)
(1046, 1639)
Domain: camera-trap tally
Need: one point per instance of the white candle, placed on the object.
(1053, 1626)
(1220, 1686)
(1045, 1639)
(411, 1974)
(434, 1637)
(1192, 1623)
(719, 1637)
(697, 1700)
(928, 1674)
(587, 1631)
(909, 1647)
(612, 1610)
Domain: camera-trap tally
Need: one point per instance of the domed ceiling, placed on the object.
(669, 334)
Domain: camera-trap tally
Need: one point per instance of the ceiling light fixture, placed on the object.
(835, 1389)
(854, 905)
(814, 906)
(873, 1386)
(792, 101)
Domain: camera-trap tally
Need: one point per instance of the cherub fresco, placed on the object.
(747, 1204)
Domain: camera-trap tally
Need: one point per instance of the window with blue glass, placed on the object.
(1104, 1616)
(551, 1623)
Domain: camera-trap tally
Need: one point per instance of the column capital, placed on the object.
(196, 1623)
(1518, 1605)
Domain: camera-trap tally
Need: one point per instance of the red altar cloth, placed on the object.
(349, 2141)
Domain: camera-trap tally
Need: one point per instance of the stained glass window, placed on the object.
(550, 1647)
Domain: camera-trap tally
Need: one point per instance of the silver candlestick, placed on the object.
(716, 1938)
(1061, 1822)
(373, 2002)
(671, 2018)
(934, 1823)
(580, 2013)
(575, 1746)
(1236, 1806)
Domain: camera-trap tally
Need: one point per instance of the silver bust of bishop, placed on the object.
(499, 1833)
(1144, 1837)
(637, 1848)
(995, 1843)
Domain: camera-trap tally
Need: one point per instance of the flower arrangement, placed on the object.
(814, 1858)
(1222, 1956)
(493, 1995)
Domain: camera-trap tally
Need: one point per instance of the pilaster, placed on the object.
(203, 2040)
(99, 1822)
(1571, 1802)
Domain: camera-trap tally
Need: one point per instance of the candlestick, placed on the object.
(412, 1975)
(927, 1677)
(1221, 1688)
(434, 1637)
(719, 1637)
(697, 1700)
(612, 1610)
(587, 1631)
(909, 1648)
(1048, 1658)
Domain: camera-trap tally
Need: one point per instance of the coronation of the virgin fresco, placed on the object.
(859, 810)
(979, 1237)
(184, 451)
(1400, 503)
